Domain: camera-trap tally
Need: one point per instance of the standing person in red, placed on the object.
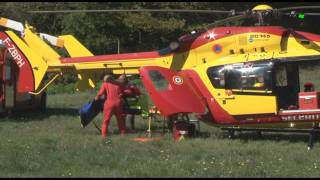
(112, 91)
(129, 92)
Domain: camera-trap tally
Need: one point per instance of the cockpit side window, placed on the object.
(216, 76)
(232, 78)
(158, 80)
(242, 76)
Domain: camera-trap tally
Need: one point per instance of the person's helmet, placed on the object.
(123, 79)
(308, 86)
(107, 78)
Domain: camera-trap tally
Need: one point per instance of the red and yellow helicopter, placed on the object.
(257, 77)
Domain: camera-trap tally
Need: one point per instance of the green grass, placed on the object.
(54, 145)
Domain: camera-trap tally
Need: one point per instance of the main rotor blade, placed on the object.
(312, 14)
(230, 19)
(308, 14)
(298, 7)
(134, 10)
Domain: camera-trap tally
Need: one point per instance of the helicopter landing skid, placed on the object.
(312, 132)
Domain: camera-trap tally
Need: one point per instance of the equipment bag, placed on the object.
(89, 111)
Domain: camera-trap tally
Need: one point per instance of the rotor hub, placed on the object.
(262, 7)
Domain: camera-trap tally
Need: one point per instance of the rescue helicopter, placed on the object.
(244, 78)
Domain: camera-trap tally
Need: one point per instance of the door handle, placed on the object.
(226, 97)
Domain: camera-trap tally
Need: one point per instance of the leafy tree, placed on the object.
(136, 31)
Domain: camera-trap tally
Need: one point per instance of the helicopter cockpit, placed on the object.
(284, 79)
(243, 77)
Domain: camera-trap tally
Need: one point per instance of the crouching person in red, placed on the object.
(112, 92)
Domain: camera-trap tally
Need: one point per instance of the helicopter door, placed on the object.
(171, 91)
(287, 84)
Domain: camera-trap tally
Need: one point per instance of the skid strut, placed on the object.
(312, 135)
(312, 132)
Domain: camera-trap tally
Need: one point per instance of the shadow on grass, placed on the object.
(23, 116)
(248, 137)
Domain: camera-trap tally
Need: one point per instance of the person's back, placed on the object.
(112, 105)
(113, 92)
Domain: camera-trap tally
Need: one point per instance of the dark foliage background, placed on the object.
(136, 32)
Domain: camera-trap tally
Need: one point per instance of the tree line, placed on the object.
(101, 33)
(134, 31)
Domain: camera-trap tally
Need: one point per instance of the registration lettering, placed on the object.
(14, 52)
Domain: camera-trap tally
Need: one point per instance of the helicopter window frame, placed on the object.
(281, 77)
(158, 80)
(252, 76)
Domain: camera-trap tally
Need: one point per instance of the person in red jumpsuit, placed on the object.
(113, 92)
